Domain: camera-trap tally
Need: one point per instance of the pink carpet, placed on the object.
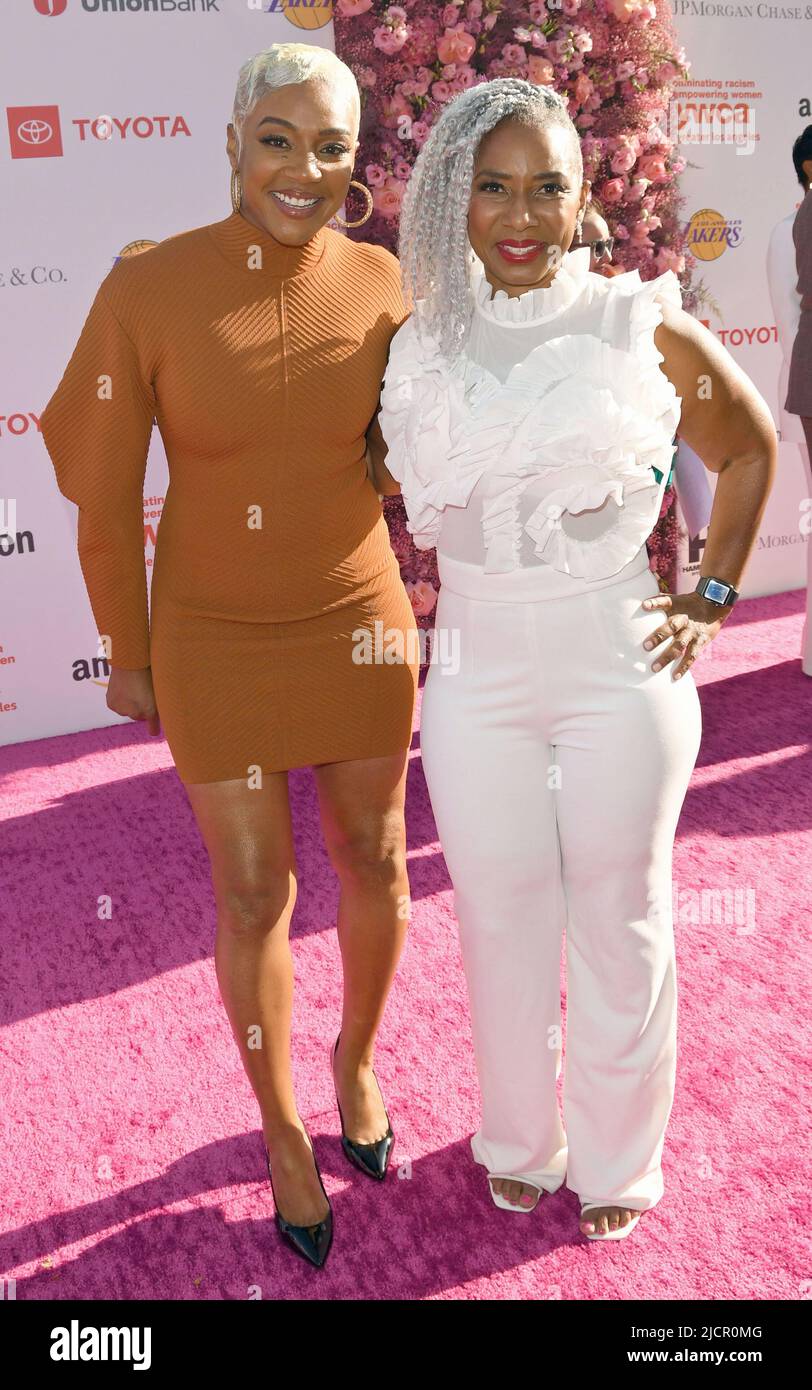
(132, 1157)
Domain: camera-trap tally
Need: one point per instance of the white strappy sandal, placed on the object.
(500, 1201)
(621, 1231)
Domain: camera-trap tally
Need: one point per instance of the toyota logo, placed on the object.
(34, 132)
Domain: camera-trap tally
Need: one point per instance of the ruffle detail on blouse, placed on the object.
(591, 419)
(534, 305)
(645, 313)
(639, 502)
(600, 433)
(417, 398)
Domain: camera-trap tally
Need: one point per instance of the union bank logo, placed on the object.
(34, 132)
(710, 234)
(304, 14)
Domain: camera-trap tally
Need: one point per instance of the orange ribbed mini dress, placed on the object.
(274, 580)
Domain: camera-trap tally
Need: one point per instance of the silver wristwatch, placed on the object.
(717, 591)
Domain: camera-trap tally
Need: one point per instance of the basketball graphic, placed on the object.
(306, 14)
(134, 248)
(707, 234)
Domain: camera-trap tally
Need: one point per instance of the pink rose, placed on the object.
(622, 161)
(387, 200)
(389, 40)
(636, 190)
(455, 46)
(420, 133)
(540, 71)
(652, 167)
(625, 9)
(423, 597)
(376, 176)
(613, 191)
(583, 89)
(639, 235)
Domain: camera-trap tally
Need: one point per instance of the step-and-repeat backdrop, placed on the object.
(748, 97)
(116, 114)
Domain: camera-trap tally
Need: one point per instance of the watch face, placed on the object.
(716, 592)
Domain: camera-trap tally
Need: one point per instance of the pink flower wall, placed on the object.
(616, 60)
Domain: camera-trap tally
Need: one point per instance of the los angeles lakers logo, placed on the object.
(305, 14)
(710, 234)
(134, 248)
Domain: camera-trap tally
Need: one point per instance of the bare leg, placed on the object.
(249, 838)
(806, 653)
(362, 803)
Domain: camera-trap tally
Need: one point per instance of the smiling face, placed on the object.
(525, 197)
(295, 163)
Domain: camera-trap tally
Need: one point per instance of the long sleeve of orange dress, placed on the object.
(280, 633)
(97, 428)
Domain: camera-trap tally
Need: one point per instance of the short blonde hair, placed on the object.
(282, 64)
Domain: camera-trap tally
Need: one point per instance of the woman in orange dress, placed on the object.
(259, 343)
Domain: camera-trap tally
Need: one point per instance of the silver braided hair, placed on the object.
(434, 251)
(285, 63)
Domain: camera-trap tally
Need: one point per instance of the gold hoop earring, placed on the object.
(370, 205)
(236, 190)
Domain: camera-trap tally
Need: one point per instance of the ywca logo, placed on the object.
(34, 132)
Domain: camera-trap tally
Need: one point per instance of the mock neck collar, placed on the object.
(235, 237)
(533, 305)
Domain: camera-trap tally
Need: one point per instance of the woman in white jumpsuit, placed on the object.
(529, 425)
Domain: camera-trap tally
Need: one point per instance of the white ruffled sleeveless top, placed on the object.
(550, 441)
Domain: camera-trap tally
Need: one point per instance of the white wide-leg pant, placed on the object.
(557, 763)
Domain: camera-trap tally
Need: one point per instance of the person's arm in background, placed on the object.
(781, 280)
(97, 428)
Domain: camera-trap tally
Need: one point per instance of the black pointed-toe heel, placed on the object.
(372, 1159)
(313, 1242)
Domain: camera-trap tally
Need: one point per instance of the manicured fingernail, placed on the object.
(656, 666)
(526, 1200)
(648, 646)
